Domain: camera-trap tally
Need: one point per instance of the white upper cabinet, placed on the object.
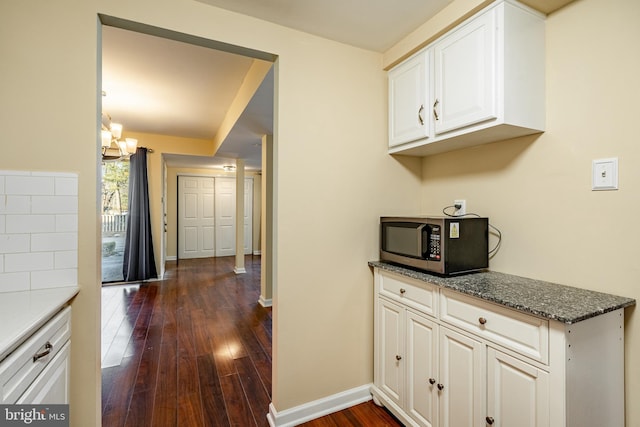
(483, 82)
(408, 97)
(465, 75)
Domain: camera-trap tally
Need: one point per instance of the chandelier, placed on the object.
(113, 147)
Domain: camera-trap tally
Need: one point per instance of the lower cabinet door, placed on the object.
(517, 393)
(422, 369)
(52, 385)
(461, 380)
(392, 357)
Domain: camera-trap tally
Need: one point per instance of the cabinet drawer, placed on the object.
(527, 335)
(19, 369)
(413, 293)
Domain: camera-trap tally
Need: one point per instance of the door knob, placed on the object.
(440, 387)
(432, 381)
(482, 320)
(490, 420)
(398, 357)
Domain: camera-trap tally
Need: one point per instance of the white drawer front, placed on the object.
(528, 335)
(19, 369)
(413, 293)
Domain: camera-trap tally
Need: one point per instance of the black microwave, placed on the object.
(442, 245)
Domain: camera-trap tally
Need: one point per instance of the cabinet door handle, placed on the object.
(398, 357)
(440, 387)
(47, 349)
(490, 420)
(420, 115)
(482, 320)
(402, 291)
(432, 381)
(435, 112)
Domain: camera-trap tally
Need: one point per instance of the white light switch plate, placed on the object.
(604, 174)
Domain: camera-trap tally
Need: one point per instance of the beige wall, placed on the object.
(332, 176)
(537, 190)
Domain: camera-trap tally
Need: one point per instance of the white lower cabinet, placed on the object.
(434, 365)
(460, 382)
(517, 392)
(52, 385)
(38, 371)
(422, 368)
(431, 373)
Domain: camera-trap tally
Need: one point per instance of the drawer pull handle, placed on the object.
(402, 291)
(432, 381)
(482, 320)
(398, 357)
(47, 349)
(440, 387)
(490, 420)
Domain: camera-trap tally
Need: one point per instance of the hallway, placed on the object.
(193, 349)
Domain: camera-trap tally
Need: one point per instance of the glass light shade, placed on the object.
(132, 144)
(123, 147)
(116, 130)
(106, 138)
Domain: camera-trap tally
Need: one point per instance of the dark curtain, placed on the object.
(139, 262)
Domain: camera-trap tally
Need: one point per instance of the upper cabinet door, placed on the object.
(465, 75)
(408, 85)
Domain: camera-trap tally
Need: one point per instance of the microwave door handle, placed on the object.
(420, 232)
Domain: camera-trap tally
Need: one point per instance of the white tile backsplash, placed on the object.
(13, 282)
(54, 242)
(54, 278)
(54, 204)
(19, 205)
(15, 243)
(66, 259)
(29, 185)
(30, 224)
(32, 261)
(38, 230)
(66, 186)
(66, 223)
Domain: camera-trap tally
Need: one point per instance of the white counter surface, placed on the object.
(22, 313)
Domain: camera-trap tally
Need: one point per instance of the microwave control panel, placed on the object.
(434, 248)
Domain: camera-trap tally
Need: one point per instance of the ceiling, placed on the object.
(354, 22)
(162, 86)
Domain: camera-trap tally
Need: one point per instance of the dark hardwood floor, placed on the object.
(195, 350)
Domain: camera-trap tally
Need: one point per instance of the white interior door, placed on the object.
(225, 211)
(196, 221)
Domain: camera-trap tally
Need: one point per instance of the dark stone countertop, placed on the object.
(563, 303)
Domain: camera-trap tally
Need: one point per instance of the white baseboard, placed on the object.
(318, 408)
(257, 253)
(171, 258)
(239, 270)
(265, 302)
